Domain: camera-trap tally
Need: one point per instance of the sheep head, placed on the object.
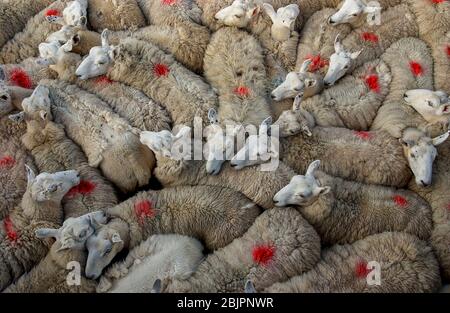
(340, 63)
(51, 187)
(303, 190)
(420, 151)
(239, 14)
(302, 82)
(434, 106)
(38, 106)
(351, 10)
(295, 121)
(67, 31)
(283, 20)
(75, 11)
(98, 61)
(165, 144)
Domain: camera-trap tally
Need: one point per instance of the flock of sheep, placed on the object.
(95, 96)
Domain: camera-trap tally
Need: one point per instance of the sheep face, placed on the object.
(51, 187)
(350, 11)
(340, 63)
(74, 12)
(103, 246)
(434, 106)
(48, 52)
(238, 14)
(164, 143)
(302, 190)
(421, 152)
(6, 105)
(98, 61)
(38, 106)
(295, 121)
(283, 20)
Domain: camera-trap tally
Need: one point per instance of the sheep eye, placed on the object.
(355, 14)
(237, 16)
(430, 103)
(108, 251)
(413, 156)
(4, 97)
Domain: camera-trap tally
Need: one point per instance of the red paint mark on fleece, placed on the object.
(104, 80)
(52, 12)
(168, 2)
(242, 91)
(373, 83)
(7, 161)
(317, 62)
(11, 233)
(263, 254)
(84, 188)
(361, 270)
(143, 210)
(371, 37)
(400, 201)
(363, 135)
(161, 70)
(437, 1)
(447, 49)
(416, 68)
(19, 77)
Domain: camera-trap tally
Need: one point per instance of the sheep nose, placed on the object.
(330, 21)
(273, 97)
(233, 165)
(425, 184)
(405, 95)
(327, 84)
(276, 202)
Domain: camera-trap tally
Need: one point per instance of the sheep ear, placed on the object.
(104, 36)
(305, 66)
(53, 19)
(43, 115)
(442, 95)
(114, 53)
(371, 9)
(76, 40)
(156, 286)
(31, 176)
(94, 223)
(441, 139)
(83, 21)
(324, 190)
(212, 116)
(116, 238)
(268, 8)
(17, 118)
(312, 168)
(306, 131)
(337, 45)
(249, 287)
(297, 102)
(295, 8)
(355, 55)
(444, 109)
(254, 11)
(47, 233)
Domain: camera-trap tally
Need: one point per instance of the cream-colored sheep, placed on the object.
(401, 261)
(279, 245)
(115, 15)
(27, 74)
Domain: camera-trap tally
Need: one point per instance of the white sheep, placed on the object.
(11, 93)
(27, 74)
(241, 82)
(40, 207)
(108, 141)
(159, 257)
(411, 68)
(344, 212)
(283, 20)
(224, 214)
(25, 44)
(279, 245)
(384, 263)
(167, 82)
(74, 11)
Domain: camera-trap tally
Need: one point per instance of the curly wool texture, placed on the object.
(407, 265)
(181, 23)
(439, 200)
(115, 15)
(54, 152)
(395, 114)
(13, 18)
(106, 139)
(379, 160)
(434, 28)
(180, 86)
(234, 66)
(50, 275)
(287, 246)
(354, 211)
(353, 102)
(25, 44)
(224, 214)
(13, 176)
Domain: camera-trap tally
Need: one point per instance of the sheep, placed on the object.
(108, 141)
(360, 210)
(283, 20)
(242, 84)
(279, 245)
(224, 215)
(27, 74)
(52, 152)
(54, 272)
(402, 262)
(411, 68)
(40, 207)
(434, 29)
(11, 97)
(433, 106)
(13, 17)
(25, 44)
(159, 257)
(439, 200)
(115, 15)
(375, 158)
(168, 83)
(171, 172)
